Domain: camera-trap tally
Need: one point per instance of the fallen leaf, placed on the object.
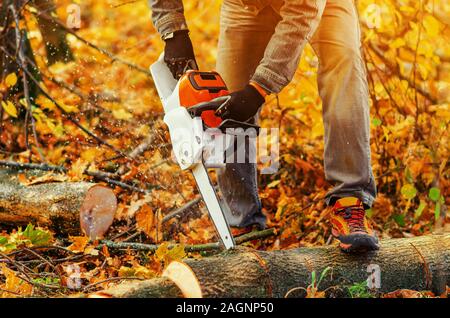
(167, 255)
(10, 108)
(122, 114)
(13, 286)
(79, 243)
(11, 80)
(145, 220)
(47, 178)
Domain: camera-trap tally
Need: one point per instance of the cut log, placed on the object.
(420, 263)
(60, 206)
(155, 288)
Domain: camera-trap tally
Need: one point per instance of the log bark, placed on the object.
(155, 288)
(64, 207)
(420, 263)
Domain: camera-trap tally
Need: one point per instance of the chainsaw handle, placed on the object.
(215, 104)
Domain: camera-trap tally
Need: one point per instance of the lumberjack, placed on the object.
(260, 45)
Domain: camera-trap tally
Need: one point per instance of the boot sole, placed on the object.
(358, 243)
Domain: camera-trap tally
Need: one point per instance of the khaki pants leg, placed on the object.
(343, 89)
(244, 34)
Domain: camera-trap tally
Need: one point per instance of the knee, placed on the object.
(341, 60)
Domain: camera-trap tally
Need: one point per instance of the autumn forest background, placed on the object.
(94, 115)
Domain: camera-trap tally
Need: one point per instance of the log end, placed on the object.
(97, 211)
(183, 276)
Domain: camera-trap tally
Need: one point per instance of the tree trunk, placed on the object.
(420, 263)
(54, 37)
(8, 42)
(63, 207)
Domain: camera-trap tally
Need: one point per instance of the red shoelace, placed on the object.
(354, 215)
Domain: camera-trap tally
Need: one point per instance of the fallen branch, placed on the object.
(145, 145)
(111, 56)
(97, 175)
(181, 209)
(255, 235)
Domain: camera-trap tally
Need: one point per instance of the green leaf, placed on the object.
(313, 278)
(322, 276)
(408, 191)
(419, 210)
(437, 211)
(399, 219)
(3, 240)
(360, 290)
(434, 194)
(37, 236)
(408, 175)
(46, 280)
(376, 122)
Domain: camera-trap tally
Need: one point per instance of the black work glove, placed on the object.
(179, 53)
(241, 105)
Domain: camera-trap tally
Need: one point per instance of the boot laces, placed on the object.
(354, 215)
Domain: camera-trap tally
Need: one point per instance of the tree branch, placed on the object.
(255, 235)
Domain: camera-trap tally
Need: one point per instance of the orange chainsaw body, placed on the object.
(198, 87)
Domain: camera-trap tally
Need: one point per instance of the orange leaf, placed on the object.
(145, 220)
(79, 243)
(13, 284)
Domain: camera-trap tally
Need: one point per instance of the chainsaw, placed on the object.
(188, 116)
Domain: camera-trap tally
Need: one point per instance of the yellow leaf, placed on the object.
(431, 25)
(77, 169)
(399, 42)
(45, 103)
(176, 253)
(122, 114)
(69, 108)
(317, 130)
(11, 80)
(273, 184)
(10, 108)
(136, 271)
(91, 250)
(91, 154)
(162, 250)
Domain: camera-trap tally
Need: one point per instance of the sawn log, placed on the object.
(64, 207)
(420, 263)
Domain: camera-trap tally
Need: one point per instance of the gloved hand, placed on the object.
(241, 105)
(179, 53)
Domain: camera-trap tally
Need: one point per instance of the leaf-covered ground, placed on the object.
(407, 54)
